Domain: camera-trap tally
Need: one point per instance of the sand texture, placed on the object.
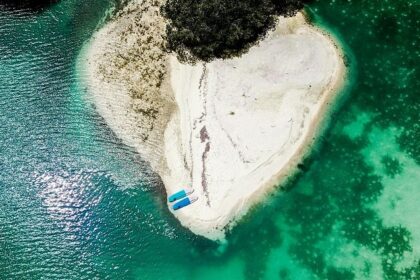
(231, 129)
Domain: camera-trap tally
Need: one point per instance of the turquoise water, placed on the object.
(75, 203)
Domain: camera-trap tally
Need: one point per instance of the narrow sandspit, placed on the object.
(231, 129)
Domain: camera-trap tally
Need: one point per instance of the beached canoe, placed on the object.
(179, 195)
(185, 202)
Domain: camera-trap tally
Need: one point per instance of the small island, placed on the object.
(231, 127)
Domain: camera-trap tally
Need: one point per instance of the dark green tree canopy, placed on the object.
(209, 29)
(33, 5)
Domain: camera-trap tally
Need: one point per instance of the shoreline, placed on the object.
(231, 214)
(109, 67)
(163, 150)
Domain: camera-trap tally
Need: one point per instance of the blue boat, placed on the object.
(185, 202)
(179, 195)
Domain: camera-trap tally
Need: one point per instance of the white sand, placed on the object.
(244, 123)
(231, 129)
(122, 67)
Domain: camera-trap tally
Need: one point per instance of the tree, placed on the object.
(209, 29)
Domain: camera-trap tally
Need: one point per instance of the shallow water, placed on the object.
(78, 204)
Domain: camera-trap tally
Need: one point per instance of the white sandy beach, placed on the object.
(231, 129)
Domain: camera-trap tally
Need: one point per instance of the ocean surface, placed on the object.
(75, 203)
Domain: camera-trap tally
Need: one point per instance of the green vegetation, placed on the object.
(210, 29)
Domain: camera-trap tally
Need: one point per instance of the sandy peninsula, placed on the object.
(231, 129)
